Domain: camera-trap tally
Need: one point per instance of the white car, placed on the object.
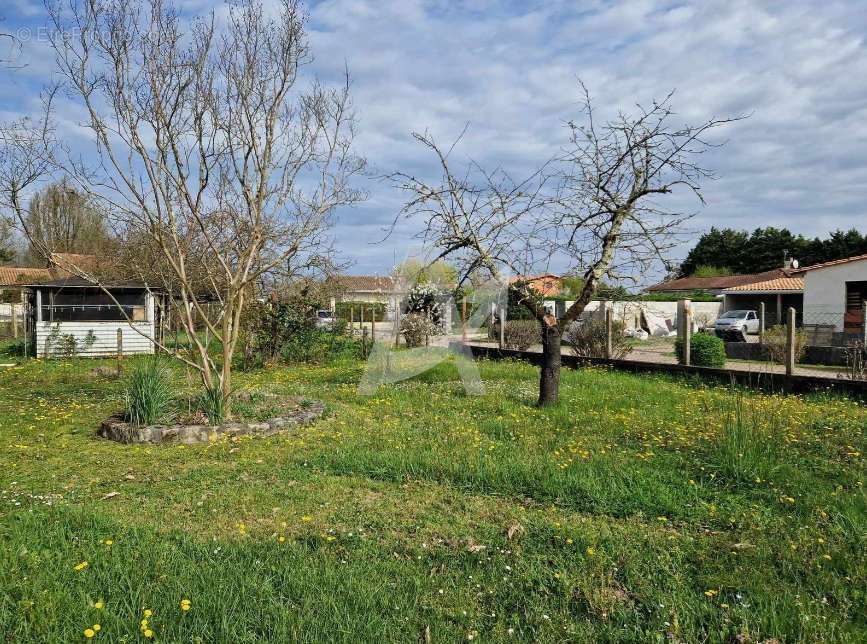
(325, 319)
(737, 323)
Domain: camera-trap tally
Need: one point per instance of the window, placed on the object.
(92, 305)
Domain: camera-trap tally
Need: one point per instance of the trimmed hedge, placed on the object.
(705, 350)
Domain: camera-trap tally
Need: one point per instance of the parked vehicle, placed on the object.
(325, 319)
(737, 324)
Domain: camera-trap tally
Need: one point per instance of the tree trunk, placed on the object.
(549, 379)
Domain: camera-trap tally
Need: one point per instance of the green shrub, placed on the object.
(705, 350)
(519, 335)
(148, 392)
(415, 327)
(588, 339)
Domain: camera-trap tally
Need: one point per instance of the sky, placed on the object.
(508, 71)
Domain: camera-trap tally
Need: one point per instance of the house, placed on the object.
(545, 284)
(73, 315)
(834, 296)
(371, 289)
(717, 285)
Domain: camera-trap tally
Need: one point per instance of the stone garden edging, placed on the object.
(116, 429)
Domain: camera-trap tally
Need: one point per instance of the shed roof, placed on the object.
(77, 282)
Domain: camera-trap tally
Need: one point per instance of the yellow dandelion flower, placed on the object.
(710, 593)
(108, 542)
(185, 604)
(81, 566)
(148, 633)
(89, 632)
(98, 605)
(590, 550)
(96, 628)
(826, 556)
(305, 518)
(662, 518)
(147, 612)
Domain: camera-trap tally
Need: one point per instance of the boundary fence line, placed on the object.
(793, 384)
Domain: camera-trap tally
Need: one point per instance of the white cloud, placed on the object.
(510, 69)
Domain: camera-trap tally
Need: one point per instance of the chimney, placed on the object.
(787, 263)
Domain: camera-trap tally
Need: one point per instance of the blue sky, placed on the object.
(509, 69)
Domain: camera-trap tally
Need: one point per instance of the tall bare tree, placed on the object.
(211, 148)
(61, 219)
(593, 210)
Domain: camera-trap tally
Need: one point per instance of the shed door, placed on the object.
(856, 293)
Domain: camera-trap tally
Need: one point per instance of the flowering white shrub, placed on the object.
(415, 327)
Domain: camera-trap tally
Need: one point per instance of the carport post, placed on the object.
(761, 322)
(790, 342)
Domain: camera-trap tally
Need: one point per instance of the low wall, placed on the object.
(764, 381)
(629, 311)
(830, 356)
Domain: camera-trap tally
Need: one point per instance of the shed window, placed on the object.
(92, 305)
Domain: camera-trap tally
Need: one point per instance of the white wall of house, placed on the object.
(105, 334)
(825, 292)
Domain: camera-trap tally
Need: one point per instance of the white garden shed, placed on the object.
(73, 315)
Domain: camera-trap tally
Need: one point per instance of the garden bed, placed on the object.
(300, 414)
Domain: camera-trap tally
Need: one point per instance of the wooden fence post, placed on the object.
(119, 350)
(351, 320)
(790, 342)
(364, 343)
(372, 325)
(609, 333)
(464, 320)
(761, 322)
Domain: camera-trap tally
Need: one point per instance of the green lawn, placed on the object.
(643, 508)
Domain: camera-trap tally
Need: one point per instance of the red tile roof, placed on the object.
(779, 284)
(13, 275)
(856, 258)
(719, 282)
(365, 283)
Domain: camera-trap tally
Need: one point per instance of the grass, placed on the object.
(623, 514)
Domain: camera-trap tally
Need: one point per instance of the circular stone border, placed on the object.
(116, 429)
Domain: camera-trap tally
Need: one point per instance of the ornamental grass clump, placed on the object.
(148, 392)
(214, 405)
(748, 448)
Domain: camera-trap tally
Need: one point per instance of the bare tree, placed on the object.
(591, 209)
(62, 220)
(211, 149)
